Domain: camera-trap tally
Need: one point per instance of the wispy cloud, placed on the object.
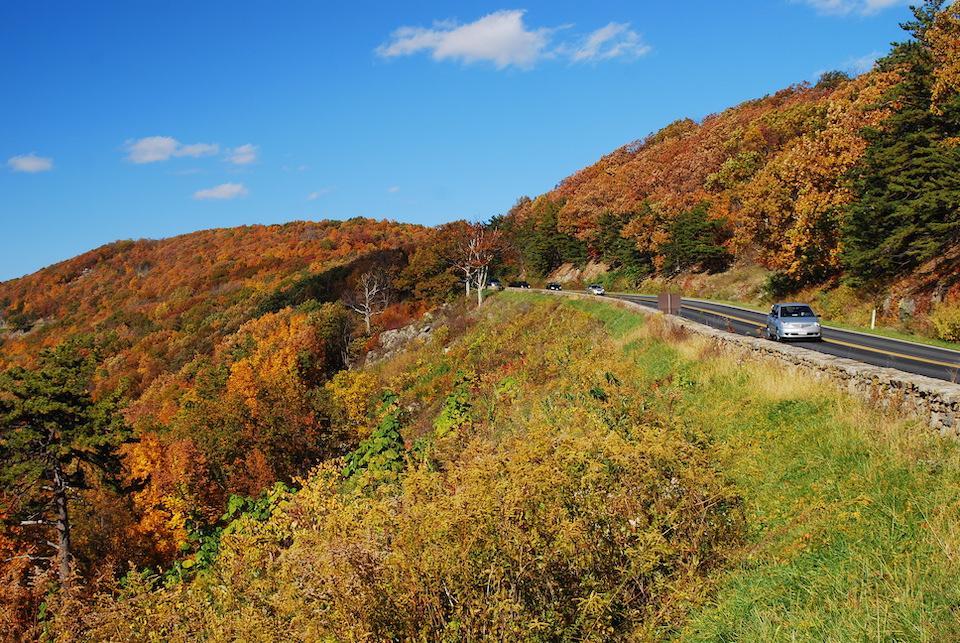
(854, 66)
(30, 163)
(313, 196)
(243, 155)
(862, 64)
(393, 189)
(503, 39)
(846, 7)
(222, 191)
(152, 149)
(616, 40)
(197, 150)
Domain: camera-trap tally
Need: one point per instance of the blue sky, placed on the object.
(153, 118)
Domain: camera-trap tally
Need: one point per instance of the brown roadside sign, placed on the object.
(669, 303)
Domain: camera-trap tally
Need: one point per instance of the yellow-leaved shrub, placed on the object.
(571, 513)
(946, 320)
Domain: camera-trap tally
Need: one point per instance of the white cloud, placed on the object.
(222, 191)
(30, 163)
(845, 7)
(243, 155)
(197, 149)
(499, 37)
(503, 39)
(313, 196)
(862, 64)
(151, 149)
(616, 40)
(161, 148)
(853, 66)
(393, 189)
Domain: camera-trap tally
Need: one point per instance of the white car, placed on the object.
(793, 321)
(596, 289)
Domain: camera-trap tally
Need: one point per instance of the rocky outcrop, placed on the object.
(935, 401)
(568, 273)
(392, 342)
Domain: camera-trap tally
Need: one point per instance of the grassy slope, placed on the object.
(534, 497)
(853, 515)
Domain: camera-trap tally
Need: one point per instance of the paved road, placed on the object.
(941, 363)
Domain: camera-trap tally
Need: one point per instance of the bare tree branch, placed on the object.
(371, 295)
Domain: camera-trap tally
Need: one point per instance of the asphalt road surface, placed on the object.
(932, 361)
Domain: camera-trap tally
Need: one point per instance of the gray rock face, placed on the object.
(907, 308)
(394, 341)
(935, 401)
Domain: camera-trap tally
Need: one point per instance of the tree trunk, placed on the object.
(481, 284)
(366, 318)
(62, 522)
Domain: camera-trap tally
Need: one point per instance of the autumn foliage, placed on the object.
(258, 483)
(772, 171)
(784, 175)
(540, 500)
(216, 347)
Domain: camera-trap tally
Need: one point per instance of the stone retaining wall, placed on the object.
(935, 401)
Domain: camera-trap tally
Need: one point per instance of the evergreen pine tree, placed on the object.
(908, 182)
(53, 435)
(695, 242)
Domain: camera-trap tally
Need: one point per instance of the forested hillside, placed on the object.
(849, 181)
(146, 383)
(194, 443)
(543, 468)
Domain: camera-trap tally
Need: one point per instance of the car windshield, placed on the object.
(796, 311)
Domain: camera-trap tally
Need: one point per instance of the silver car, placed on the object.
(596, 289)
(793, 321)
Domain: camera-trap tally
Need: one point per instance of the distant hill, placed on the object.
(849, 180)
(164, 300)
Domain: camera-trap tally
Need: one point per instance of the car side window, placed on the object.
(773, 311)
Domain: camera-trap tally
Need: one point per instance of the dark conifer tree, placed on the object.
(908, 183)
(53, 437)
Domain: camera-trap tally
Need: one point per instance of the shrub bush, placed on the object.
(571, 513)
(946, 320)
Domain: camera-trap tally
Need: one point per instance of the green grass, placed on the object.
(853, 516)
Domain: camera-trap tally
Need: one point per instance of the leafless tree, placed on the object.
(371, 296)
(458, 252)
(471, 248)
(485, 246)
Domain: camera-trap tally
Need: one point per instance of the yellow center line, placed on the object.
(834, 341)
(713, 312)
(891, 353)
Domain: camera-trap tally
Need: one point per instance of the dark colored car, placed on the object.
(554, 286)
(519, 284)
(494, 284)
